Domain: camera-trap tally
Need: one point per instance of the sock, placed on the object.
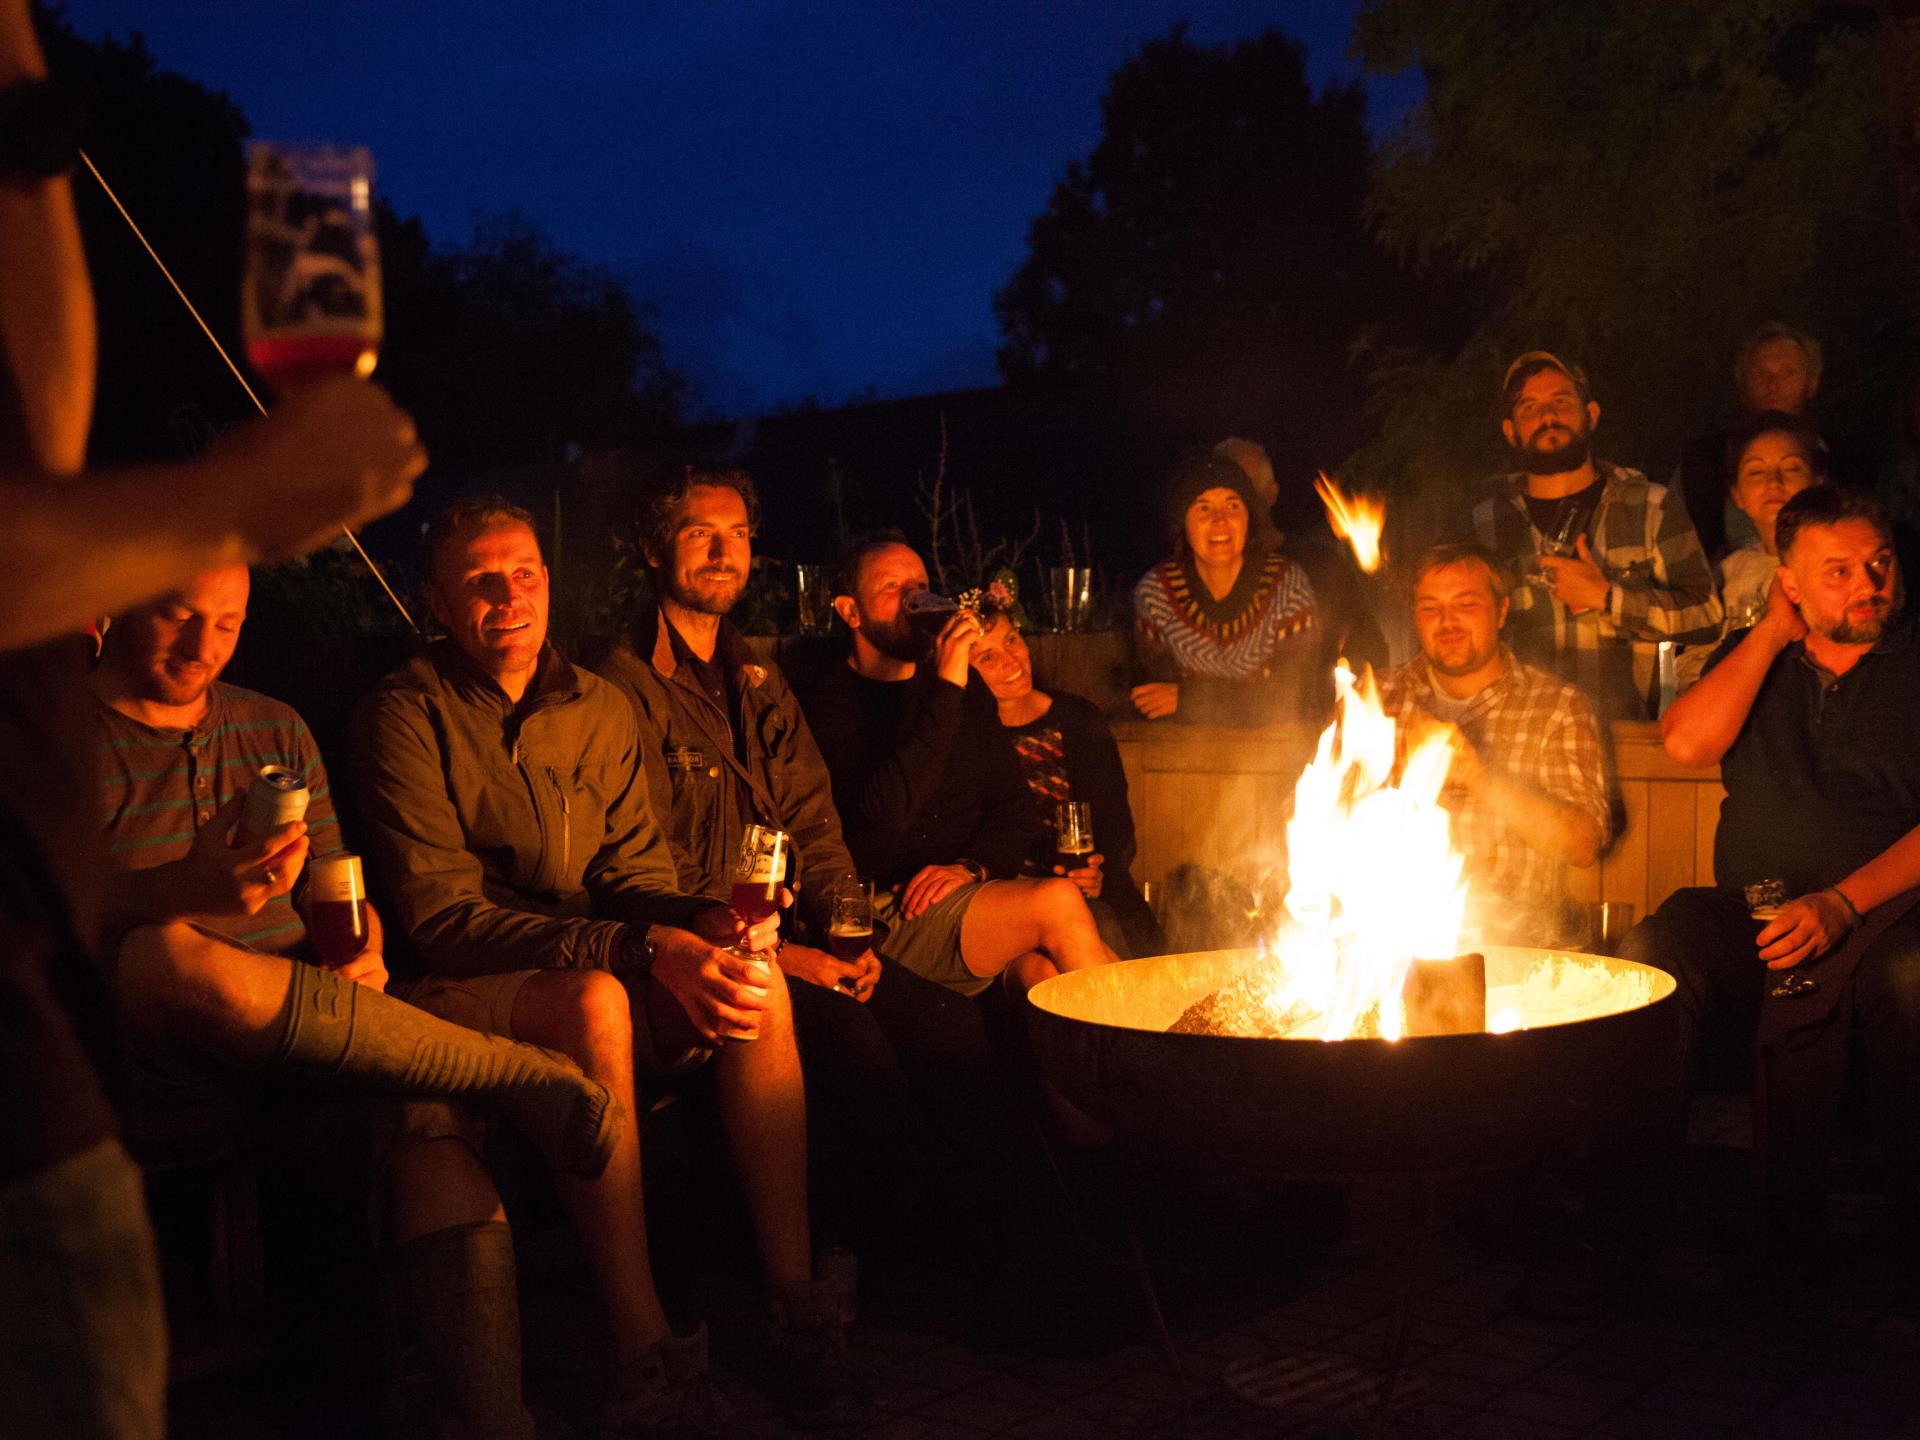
(336, 1028)
(460, 1289)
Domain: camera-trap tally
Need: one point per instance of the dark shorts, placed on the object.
(929, 944)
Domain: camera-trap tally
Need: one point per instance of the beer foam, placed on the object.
(337, 878)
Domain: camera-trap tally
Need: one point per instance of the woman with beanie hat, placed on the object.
(1223, 628)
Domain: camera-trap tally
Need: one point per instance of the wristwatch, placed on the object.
(975, 869)
(39, 130)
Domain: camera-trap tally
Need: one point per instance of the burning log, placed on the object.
(1440, 997)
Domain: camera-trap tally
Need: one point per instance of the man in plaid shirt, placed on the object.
(1527, 788)
(1612, 565)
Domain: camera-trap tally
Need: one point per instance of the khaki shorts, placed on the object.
(485, 1002)
(929, 944)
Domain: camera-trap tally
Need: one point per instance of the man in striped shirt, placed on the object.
(1612, 565)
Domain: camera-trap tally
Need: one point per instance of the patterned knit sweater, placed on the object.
(1232, 638)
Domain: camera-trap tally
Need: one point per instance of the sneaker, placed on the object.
(815, 1382)
(670, 1393)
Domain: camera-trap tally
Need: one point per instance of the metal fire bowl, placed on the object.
(1307, 1108)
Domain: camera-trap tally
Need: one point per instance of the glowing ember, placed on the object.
(1357, 519)
(1374, 880)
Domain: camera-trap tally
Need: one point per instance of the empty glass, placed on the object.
(1070, 594)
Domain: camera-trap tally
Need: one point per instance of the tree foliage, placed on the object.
(1634, 184)
(1212, 247)
(506, 348)
(509, 348)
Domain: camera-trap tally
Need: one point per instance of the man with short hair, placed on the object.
(1776, 368)
(219, 977)
(1809, 715)
(1612, 563)
(929, 789)
(1527, 788)
(504, 798)
(725, 745)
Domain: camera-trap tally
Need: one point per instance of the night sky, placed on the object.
(818, 198)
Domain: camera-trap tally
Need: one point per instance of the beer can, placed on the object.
(278, 796)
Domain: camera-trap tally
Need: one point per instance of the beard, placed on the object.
(707, 594)
(896, 639)
(1570, 456)
(1864, 631)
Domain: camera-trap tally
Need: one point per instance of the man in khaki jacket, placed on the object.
(505, 811)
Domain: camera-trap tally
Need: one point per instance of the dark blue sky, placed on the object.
(817, 197)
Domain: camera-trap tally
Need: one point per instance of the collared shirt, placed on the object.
(1537, 731)
(160, 787)
(1824, 775)
(1660, 589)
(713, 768)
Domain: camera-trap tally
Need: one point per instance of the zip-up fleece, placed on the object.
(708, 787)
(510, 837)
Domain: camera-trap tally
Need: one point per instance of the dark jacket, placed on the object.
(510, 837)
(711, 774)
(1096, 775)
(923, 773)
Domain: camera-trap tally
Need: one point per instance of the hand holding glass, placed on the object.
(1073, 833)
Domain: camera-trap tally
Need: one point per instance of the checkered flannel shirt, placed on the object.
(1660, 588)
(1535, 730)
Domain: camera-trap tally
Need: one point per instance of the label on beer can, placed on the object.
(277, 796)
(337, 878)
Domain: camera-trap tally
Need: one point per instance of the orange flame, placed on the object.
(1374, 877)
(1357, 519)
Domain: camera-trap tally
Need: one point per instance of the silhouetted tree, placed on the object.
(171, 150)
(511, 349)
(1211, 252)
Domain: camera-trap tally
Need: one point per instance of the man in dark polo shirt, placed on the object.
(1810, 715)
(929, 789)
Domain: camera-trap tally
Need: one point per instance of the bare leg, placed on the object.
(584, 1014)
(764, 1108)
(1010, 918)
(181, 990)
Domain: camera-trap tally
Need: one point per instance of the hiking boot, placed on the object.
(816, 1384)
(670, 1393)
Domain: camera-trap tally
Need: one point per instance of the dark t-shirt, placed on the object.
(57, 1027)
(923, 773)
(1825, 773)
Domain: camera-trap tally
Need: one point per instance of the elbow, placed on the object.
(1584, 845)
(1684, 744)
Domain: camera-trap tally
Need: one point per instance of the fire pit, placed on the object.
(1569, 1030)
(1574, 1027)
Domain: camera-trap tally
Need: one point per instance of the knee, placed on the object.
(1890, 985)
(587, 1014)
(1061, 906)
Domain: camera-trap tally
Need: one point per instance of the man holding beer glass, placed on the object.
(930, 790)
(727, 754)
(506, 814)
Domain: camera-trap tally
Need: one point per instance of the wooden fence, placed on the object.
(1217, 797)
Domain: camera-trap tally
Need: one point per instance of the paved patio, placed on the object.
(1689, 1365)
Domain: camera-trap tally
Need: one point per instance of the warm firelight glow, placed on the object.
(1357, 519)
(1374, 880)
